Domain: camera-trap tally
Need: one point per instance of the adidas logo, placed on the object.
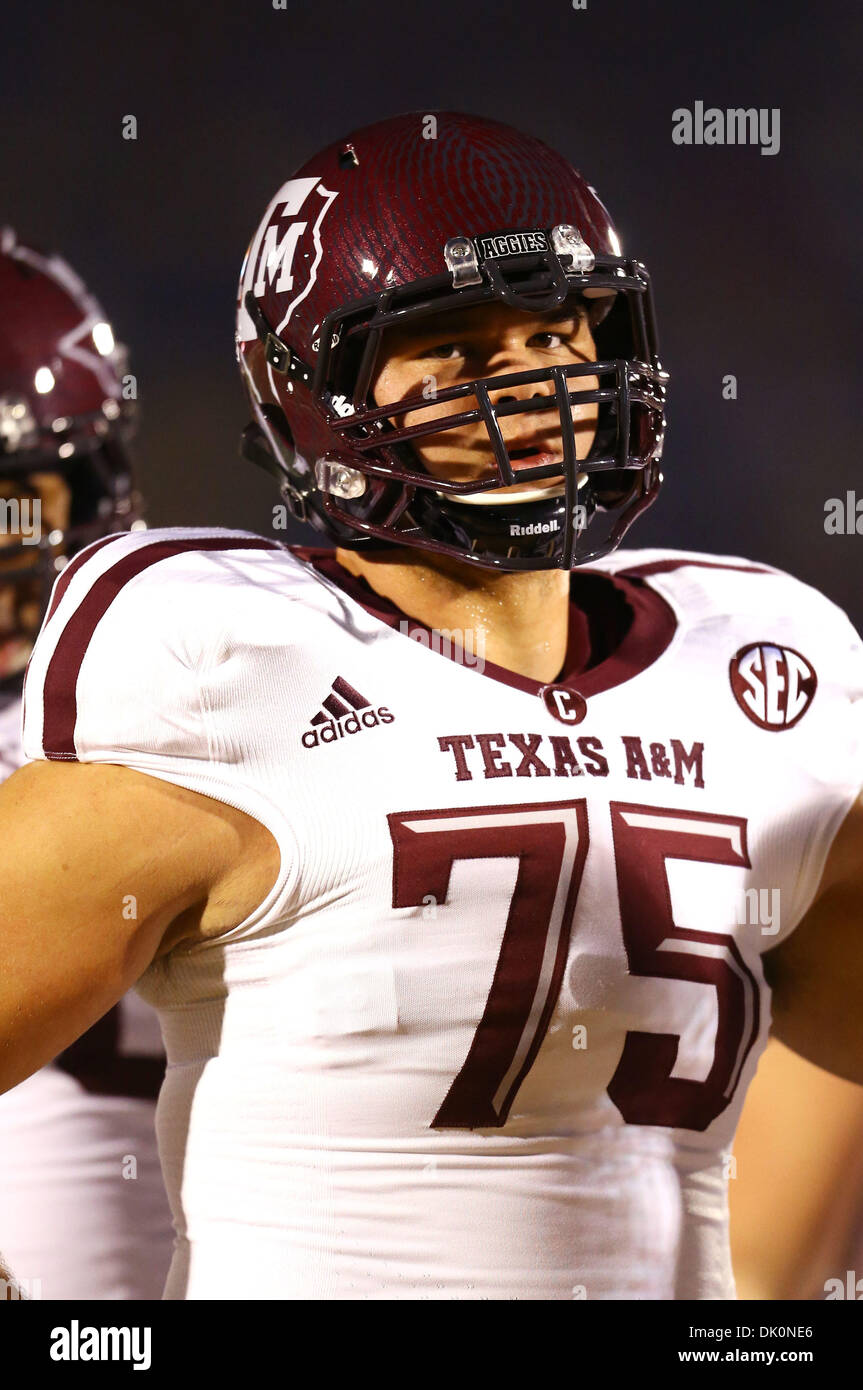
(344, 711)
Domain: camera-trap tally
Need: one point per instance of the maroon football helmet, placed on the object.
(62, 411)
(402, 220)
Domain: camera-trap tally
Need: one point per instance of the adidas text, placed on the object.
(335, 729)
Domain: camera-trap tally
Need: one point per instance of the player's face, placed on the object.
(20, 601)
(489, 340)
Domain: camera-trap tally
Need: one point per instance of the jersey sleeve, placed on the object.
(801, 777)
(135, 664)
(114, 673)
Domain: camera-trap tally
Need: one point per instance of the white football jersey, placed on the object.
(83, 1210)
(489, 1034)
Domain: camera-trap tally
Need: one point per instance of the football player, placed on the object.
(82, 1203)
(449, 842)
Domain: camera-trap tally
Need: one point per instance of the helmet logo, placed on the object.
(286, 250)
(76, 347)
(91, 343)
(773, 685)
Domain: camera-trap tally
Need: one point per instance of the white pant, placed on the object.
(83, 1211)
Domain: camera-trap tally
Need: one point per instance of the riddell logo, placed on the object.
(344, 711)
(536, 528)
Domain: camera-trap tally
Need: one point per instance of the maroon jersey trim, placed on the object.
(618, 626)
(60, 588)
(60, 705)
(72, 568)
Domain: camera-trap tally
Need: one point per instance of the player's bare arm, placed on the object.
(817, 974)
(796, 1192)
(123, 869)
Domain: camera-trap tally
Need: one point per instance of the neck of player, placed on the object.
(515, 620)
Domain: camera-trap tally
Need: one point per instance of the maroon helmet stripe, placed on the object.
(668, 566)
(72, 569)
(60, 704)
(347, 692)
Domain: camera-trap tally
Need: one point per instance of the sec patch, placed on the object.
(773, 685)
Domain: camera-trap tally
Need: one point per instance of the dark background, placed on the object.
(754, 258)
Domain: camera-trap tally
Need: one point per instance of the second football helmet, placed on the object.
(63, 412)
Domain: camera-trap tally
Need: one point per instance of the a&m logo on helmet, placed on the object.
(773, 685)
(285, 252)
